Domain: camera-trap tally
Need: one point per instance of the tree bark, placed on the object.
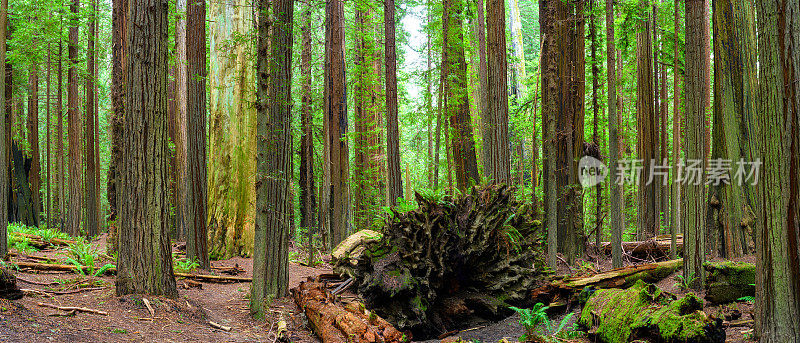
(457, 98)
(48, 102)
(273, 204)
(4, 179)
(180, 139)
(613, 139)
(693, 204)
(498, 159)
(395, 185)
(677, 187)
(34, 175)
(647, 143)
(119, 23)
(195, 187)
(308, 201)
(74, 128)
(92, 174)
(777, 314)
(483, 76)
(144, 262)
(336, 193)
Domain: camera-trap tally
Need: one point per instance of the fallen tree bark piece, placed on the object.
(647, 313)
(220, 326)
(71, 308)
(728, 281)
(336, 322)
(627, 276)
(657, 245)
(112, 271)
(53, 241)
(8, 286)
(453, 262)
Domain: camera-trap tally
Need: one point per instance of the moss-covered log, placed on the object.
(728, 281)
(8, 286)
(647, 313)
(336, 322)
(451, 263)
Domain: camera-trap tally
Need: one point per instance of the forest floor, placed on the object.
(186, 319)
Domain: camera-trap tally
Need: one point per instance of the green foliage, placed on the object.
(185, 265)
(685, 283)
(84, 256)
(539, 327)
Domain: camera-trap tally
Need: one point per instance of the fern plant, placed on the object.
(539, 327)
(185, 265)
(685, 283)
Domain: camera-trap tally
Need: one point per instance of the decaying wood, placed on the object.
(214, 278)
(49, 293)
(149, 308)
(71, 308)
(8, 286)
(451, 262)
(220, 326)
(40, 243)
(235, 270)
(337, 322)
(659, 245)
(73, 268)
(729, 281)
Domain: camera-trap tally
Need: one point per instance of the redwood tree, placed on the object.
(74, 128)
(647, 134)
(498, 161)
(4, 179)
(394, 187)
(613, 139)
(34, 176)
(308, 205)
(119, 23)
(274, 161)
(92, 208)
(144, 264)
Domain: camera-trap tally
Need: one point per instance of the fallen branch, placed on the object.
(219, 326)
(112, 271)
(37, 282)
(214, 278)
(70, 308)
(51, 293)
(149, 308)
(660, 245)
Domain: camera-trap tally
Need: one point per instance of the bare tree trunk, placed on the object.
(613, 139)
(483, 77)
(195, 199)
(496, 144)
(4, 187)
(34, 176)
(144, 264)
(48, 205)
(273, 205)
(74, 128)
(677, 186)
(119, 30)
(308, 208)
(647, 142)
(92, 209)
(395, 185)
(182, 79)
(693, 202)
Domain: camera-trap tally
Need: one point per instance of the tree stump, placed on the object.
(8, 286)
(451, 263)
(728, 281)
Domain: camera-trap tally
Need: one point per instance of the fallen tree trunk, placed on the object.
(659, 245)
(8, 286)
(644, 312)
(729, 281)
(453, 263)
(336, 322)
(112, 271)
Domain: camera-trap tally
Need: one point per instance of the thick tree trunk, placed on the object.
(195, 186)
(598, 225)
(777, 315)
(119, 23)
(308, 202)
(613, 139)
(48, 102)
(677, 187)
(498, 159)
(74, 130)
(549, 85)
(232, 130)
(35, 175)
(395, 185)
(735, 96)
(61, 173)
(647, 143)
(144, 262)
(274, 161)
(457, 98)
(483, 88)
(336, 193)
(694, 205)
(180, 138)
(4, 179)
(92, 173)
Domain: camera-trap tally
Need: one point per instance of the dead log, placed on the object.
(451, 263)
(659, 245)
(112, 271)
(72, 308)
(8, 286)
(729, 281)
(336, 322)
(214, 278)
(644, 312)
(53, 241)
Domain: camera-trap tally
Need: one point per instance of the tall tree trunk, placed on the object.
(4, 186)
(144, 264)
(48, 196)
(232, 130)
(336, 195)
(498, 159)
(598, 225)
(119, 23)
(647, 142)
(308, 202)
(483, 76)
(61, 168)
(271, 254)
(429, 96)
(735, 95)
(195, 186)
(694, 204)
(92, 209)
(777, 317)
(34, 175)
(457, 97)
(677, 186)
(180, 116)
(613, 139)
(74, 130)
(548, 21)
(395, 184)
